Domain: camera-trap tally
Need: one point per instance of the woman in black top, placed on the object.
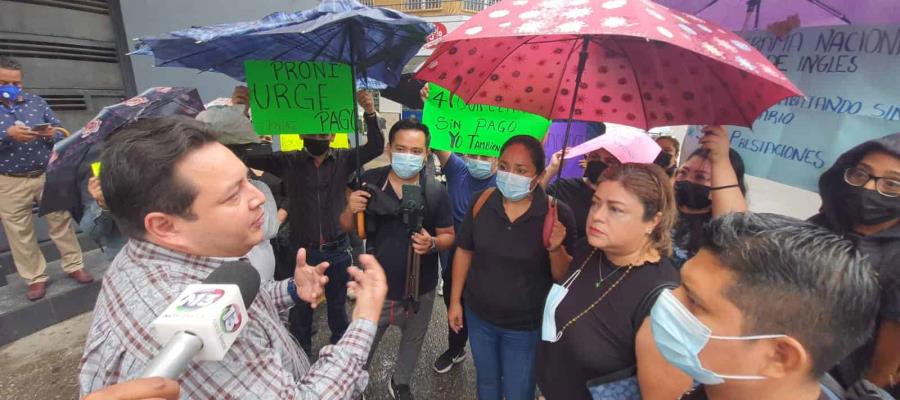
(710, 183)
(506, 268)
(599, 329)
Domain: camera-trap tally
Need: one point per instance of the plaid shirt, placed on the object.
(265, 362)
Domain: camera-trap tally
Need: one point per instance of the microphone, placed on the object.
(204, 321)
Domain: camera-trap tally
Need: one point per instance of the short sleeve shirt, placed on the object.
(509, 277)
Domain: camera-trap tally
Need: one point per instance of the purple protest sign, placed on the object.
(553, 142)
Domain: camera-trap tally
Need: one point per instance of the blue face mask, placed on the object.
(406, 165)
(514, 187)
(479, 169)
(680, 337)
(10, 92)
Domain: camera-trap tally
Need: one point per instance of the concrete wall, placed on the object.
(157, 17)
(68, 55)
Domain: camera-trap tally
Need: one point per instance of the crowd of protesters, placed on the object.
(652, 280)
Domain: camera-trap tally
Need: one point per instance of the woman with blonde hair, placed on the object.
(595, 329)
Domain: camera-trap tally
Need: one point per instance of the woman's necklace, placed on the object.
(617, 269)
(600, 271)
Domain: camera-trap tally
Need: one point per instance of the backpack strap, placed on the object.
(483, 198)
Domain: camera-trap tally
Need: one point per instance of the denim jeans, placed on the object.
(504, 359)
(301, 316)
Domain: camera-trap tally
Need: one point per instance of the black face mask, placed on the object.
(692, 195)
(316, 147)
(594, 169)
(868, 207)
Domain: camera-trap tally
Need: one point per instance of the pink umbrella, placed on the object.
(632, 62)
(627, 144)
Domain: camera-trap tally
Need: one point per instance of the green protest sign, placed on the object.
(475, 128)
(300, 97)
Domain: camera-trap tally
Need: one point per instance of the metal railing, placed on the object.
(477, 5)
(422, 4)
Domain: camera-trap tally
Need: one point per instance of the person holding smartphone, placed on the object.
(27, 135)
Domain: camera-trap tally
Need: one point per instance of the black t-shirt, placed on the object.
(391, 240)
(579, 196)
(686, 236)
(601, 342)
(510, 272)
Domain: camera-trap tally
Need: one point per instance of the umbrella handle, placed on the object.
(64, 131)
(361, 224)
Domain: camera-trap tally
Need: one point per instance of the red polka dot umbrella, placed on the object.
(632, 62)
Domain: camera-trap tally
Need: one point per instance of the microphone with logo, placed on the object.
(204, 320)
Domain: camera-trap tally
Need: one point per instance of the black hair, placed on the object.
(534, 147)
(794, 278)
(138, 175)
(672, 139)
(411, 124)
(737, 164)
(7, 63)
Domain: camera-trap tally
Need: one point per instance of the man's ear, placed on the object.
(163, 229)
(785, 356)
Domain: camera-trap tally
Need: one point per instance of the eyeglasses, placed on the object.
(885, 186)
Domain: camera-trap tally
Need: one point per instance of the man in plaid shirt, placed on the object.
(185, 202)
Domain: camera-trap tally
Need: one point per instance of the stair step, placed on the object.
(48, 248)
(65, 299)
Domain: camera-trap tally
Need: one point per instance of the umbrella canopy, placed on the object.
(406, 92)
(68, 160)
(378, 41)
(627, 144)
(632, 62)
(760, 14)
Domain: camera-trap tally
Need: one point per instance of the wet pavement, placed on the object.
(458, 384)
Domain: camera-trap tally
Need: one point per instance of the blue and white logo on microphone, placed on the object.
(198, 299)
(231, 319)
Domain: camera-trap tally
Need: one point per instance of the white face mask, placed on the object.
(680, 337)
(513, 187)
(554, 298)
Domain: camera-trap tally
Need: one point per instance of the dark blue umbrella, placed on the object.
(70, 161)
(378, 42)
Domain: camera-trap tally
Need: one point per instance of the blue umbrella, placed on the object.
(378, 42)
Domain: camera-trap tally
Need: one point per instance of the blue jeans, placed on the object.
(504, 359)
(301, 316)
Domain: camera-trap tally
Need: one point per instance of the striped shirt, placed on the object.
(265, 362)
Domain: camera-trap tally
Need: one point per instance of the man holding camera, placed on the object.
(27, 135)
(408, 221)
